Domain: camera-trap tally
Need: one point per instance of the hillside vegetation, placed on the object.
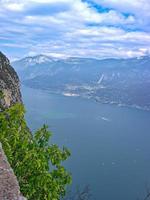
(37, 165)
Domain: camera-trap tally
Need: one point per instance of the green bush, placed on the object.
(37, 165)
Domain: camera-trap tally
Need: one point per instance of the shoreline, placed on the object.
(69, 94)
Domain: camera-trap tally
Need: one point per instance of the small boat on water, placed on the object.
(105, 119)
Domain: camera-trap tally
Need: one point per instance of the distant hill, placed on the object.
(116, 81)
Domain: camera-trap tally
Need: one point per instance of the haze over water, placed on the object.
(109, 144)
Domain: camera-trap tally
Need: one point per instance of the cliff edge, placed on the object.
(9, 83)
(9, 95)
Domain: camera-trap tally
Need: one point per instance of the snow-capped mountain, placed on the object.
(35, 60)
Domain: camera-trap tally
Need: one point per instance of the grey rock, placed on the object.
(9, 187)
(9, 84)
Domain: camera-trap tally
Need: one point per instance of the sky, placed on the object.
(80, 28)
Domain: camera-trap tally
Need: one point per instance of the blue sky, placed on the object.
(85, 28)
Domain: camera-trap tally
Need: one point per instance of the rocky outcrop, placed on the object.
(9, 84)
(9, 187)
(9, 95)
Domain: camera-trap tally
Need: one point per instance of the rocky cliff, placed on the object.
(9, 95)
(9, 83)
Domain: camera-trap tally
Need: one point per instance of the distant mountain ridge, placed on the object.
(116, 81)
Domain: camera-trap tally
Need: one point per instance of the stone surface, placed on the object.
(9, 187)
(9, 83)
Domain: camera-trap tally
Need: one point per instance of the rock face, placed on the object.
(9, 83)
(9, 187)
(9, 95)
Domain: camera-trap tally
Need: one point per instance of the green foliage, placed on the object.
(36, 164)
(1, 94)
(1, 97)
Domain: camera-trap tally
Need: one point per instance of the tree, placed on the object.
(37, 165)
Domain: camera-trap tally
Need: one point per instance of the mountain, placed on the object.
(115, 81)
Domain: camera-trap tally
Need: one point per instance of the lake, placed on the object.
(110, 145)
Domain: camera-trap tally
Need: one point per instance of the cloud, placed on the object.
(137, 8)
(97, 28)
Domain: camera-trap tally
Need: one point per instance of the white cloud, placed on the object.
(139, 8)
(80, 30)
(126, 5)
(14, 7)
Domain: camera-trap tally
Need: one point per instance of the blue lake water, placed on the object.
(110, 145)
